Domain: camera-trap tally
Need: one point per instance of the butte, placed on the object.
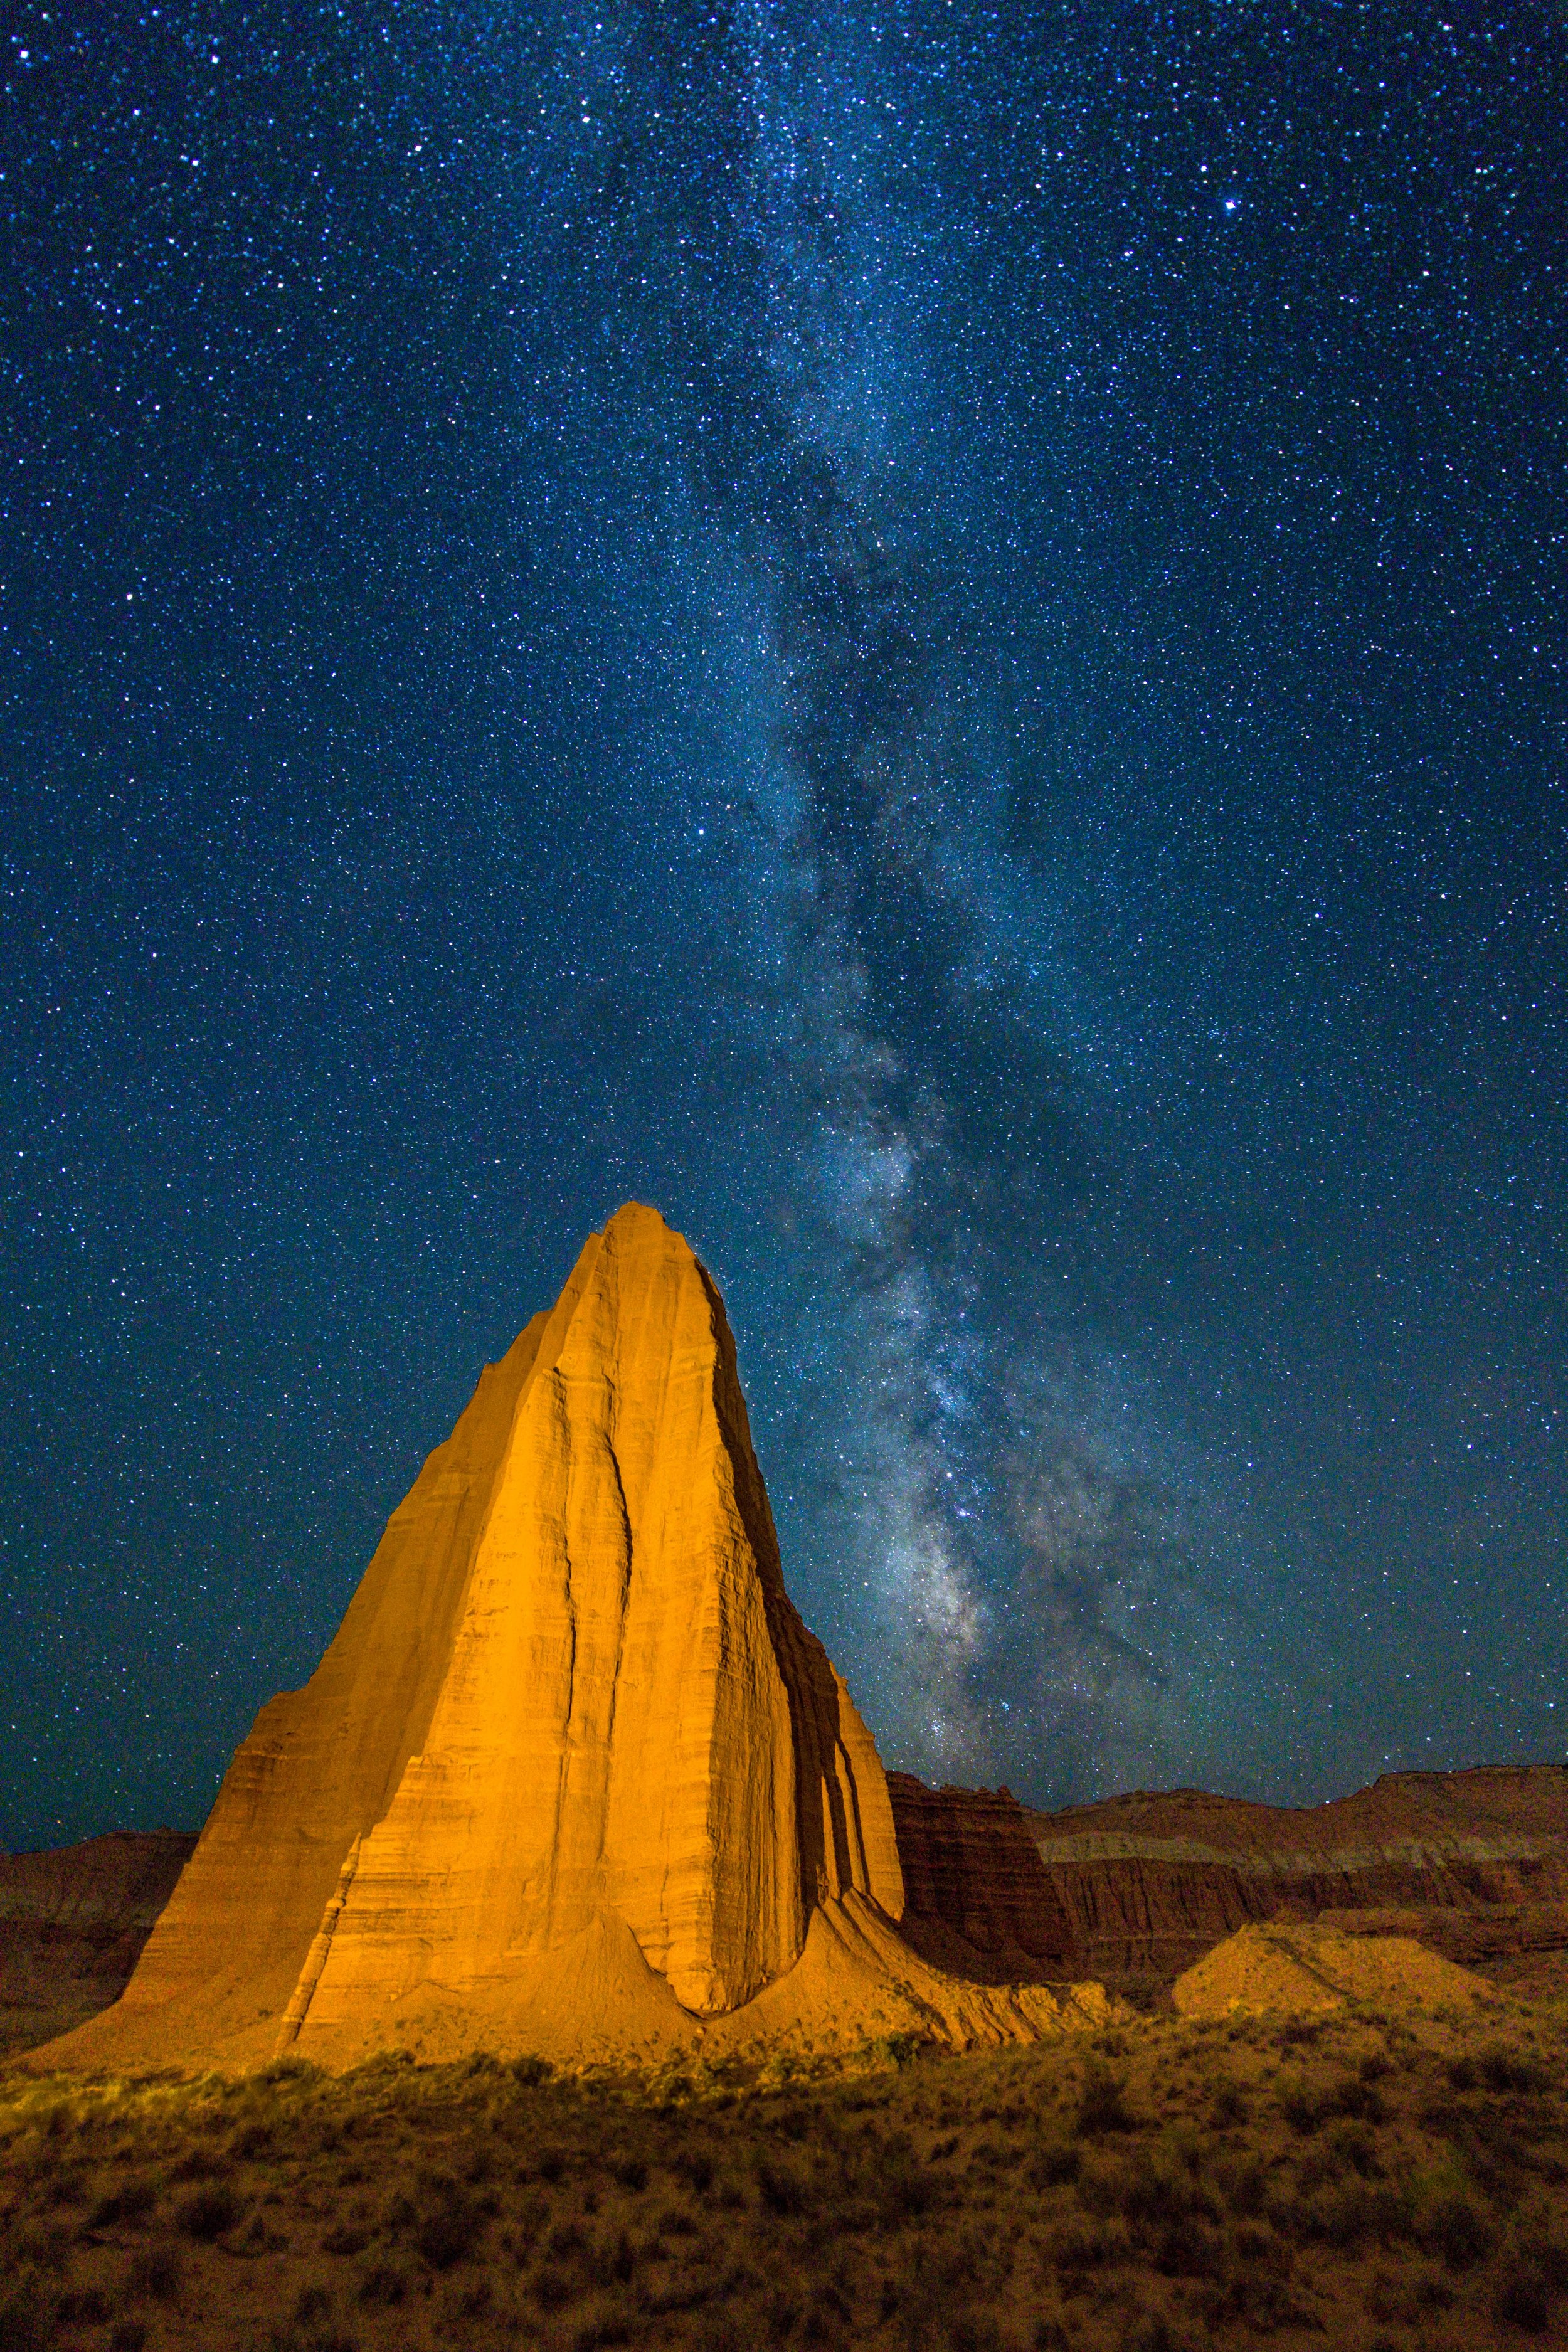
(573, 1777)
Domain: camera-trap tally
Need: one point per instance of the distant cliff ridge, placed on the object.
(72, 1923)
(1132, 1891)
(1474, 1863)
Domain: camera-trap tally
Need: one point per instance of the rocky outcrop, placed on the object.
(1150, 1883)
(976, 1895)
(72, 1923)
(1309, 1971)
(573, 1776)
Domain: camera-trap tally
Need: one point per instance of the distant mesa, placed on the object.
(573, 1777)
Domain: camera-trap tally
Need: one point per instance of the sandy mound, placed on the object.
(1298, 1971)
(857, 1981)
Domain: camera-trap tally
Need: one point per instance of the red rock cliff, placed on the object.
(976, 1897)
(1474, 1863)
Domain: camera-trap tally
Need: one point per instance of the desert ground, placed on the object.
(1364, 2179)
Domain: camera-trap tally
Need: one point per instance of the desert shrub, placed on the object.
(1150, 2332)
(131, 2199)
(208, 2213)
(345, 2238)
(530, 2071)
(905, 2188)
(550, 2164)
(781, 2310)
(1229, 2108)
(614, 2263)
(199, 2164)
(62, 2184)
(381, 2285)
(1241, 2183)
(1100, 2190)
(313, 2303)
(716, 2331)
(1257, 2246)
(46, 2245)
(127, 2336)
(629, 2170)
(1455, 2228)
(972, 2331)
(696, 2164)
(1498, 2069)
(1346, 2217)
(1523, 2299)
(1252, 2297)
(1307, 2110)
(81, 2307)
(1054, 2164)
(448, 2220)
(1189, 2249)
(1351, 2147)
(1545, 2251)
(784, 2188)
(1102, 2102)
(289, 2069)
(158, 2270)
(553, 2289)
(675, 2222)
(1073, 2250)
(257, 2138)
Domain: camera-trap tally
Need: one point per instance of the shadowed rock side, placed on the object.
(572, 1775)
(1474, 1864)
(72, 1923)
(976, 1897)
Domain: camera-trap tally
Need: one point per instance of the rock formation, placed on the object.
(1474, 1863)
(976, 1895)
(72, 1923)
(1305, 1971)
(573, 1776)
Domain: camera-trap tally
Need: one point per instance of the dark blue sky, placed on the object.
(932, 636)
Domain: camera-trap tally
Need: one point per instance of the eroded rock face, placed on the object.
(976, 1895)
(1474, 1862)
(571, 1709)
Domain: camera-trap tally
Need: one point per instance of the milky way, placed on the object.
(935, 642)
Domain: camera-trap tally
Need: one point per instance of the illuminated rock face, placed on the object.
(571, 1710)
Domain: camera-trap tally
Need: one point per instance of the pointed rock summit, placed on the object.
(572, 1775)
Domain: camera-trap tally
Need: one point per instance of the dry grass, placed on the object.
(1366, 2182)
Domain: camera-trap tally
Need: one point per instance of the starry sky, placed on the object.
(930, 635)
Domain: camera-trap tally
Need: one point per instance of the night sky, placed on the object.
(932, 638)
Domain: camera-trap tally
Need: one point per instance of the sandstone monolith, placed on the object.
(573, 1776)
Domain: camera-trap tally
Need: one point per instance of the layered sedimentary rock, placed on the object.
(72, 1923)
(572, 1775)
(1475, 1864)
(976, 1895)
